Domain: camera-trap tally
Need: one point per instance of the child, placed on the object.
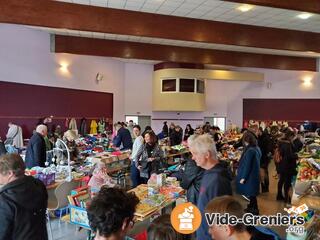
(161, 229)
(99, 178)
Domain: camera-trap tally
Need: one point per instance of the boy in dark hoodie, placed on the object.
(23, 202)
(216, 179)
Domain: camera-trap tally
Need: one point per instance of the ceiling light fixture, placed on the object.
(307, 81)
(64, 67)
(245, 7)
(304, 16)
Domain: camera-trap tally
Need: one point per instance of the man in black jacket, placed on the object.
(287, 166)
(265, 145)
(23, 202)
(36, 151)
(176, 136)
(191, 180)
(165, 129)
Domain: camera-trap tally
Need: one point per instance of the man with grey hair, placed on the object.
(36, 150)
(23, 202)
(216, 180)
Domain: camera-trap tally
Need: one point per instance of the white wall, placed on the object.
(25, 58)
(224, 98)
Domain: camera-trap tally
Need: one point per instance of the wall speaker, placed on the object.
(269, 85)
(99, 77)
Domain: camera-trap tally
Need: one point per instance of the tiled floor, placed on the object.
(266, 201)
(64, 231)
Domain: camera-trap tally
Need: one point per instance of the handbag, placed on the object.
(277, 155)
(9, 140)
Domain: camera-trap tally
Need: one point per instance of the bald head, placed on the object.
(42, 129)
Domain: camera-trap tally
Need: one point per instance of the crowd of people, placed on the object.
(205, 177)
(146, 155)
(207, 180)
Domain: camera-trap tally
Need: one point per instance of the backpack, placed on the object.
(277, 155)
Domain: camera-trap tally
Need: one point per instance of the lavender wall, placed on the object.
(284, 84)
(138, 85)
(25, 58)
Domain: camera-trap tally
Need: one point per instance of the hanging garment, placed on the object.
(66, 123)
(93, 127)
(263, 125)
(14, 136)
(73, 124)
(101, 126)
(83, 127)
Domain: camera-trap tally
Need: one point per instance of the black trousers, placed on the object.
(253, 204)
(285, 181)
(265, 179)
(144, 180)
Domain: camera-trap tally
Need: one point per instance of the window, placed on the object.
(183, 85)
(220, 122)
(200, 86)
(169, 85)
(186, 85)
(135, 119)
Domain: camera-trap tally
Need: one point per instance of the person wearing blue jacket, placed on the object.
(216, 180)
(123, 138)
(248, 178)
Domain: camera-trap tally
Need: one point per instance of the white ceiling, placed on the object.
(175, 42)
(215, 10)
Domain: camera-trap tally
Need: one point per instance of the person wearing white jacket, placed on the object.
(14, 135)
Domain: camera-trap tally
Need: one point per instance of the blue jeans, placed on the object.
(135, 175)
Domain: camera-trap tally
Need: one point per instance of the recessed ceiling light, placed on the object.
(304, 15)
(245, 7)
